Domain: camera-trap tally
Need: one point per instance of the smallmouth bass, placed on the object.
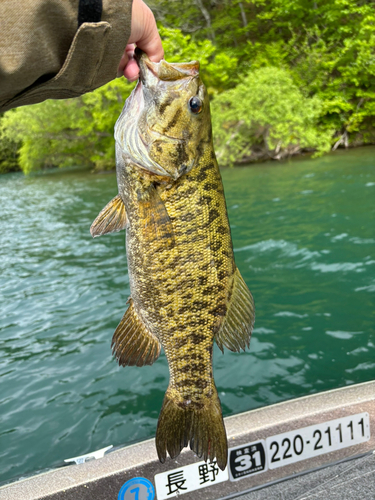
(185, 287)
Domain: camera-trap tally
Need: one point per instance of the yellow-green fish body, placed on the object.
(185, 287)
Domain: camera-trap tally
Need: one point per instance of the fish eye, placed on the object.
(195, 105)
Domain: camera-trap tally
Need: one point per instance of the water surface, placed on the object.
(304, 239)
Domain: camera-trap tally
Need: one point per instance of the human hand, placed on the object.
(144, 34)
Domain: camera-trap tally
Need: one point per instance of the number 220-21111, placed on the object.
(314, 440)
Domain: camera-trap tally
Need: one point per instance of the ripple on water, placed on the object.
(342, 335)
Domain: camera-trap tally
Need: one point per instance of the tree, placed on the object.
(324, 49)
(266, 116)
(328, 46)
(61, 133)
(8, 152)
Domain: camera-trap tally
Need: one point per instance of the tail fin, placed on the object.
(202, 426)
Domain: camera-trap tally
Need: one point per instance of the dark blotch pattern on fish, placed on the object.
(180, 256)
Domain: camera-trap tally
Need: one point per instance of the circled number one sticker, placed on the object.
(138, 488)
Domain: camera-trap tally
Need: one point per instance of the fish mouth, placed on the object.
(151, 72)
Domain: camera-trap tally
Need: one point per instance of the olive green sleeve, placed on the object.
(45, 55)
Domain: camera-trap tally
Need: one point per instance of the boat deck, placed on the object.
(349, 480)
(316, 447)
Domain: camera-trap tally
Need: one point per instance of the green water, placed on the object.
(304, 241)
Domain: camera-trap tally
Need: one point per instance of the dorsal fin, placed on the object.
(235, 332)
(132, 343)
(111, 219)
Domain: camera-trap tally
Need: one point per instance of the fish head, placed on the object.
(166, 119)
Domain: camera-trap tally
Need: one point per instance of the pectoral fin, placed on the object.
(111, 219)
(156, 221)
(235, 332)
(132, 343)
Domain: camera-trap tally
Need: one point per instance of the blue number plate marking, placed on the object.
(138, 488)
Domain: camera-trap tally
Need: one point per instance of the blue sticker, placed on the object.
(138, 488)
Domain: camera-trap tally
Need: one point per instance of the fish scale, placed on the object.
(186, 290)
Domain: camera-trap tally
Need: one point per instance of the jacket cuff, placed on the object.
(92, 60)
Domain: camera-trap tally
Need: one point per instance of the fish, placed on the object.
(186, 290)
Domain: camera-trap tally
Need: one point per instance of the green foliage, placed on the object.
(266, 116)
(103, 107)
(8, 152)
(217, 68)
(80, 131)
(46, 133)
(328, 46)
(319, 58)
(68, 132)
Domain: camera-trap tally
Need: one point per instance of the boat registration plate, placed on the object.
(307, 442)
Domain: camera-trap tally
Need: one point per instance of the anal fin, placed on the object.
(111, 219)
(235, 332)
(132, 343)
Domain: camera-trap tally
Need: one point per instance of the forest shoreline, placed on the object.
(269, 162)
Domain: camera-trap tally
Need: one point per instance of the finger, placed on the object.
(131, 70)
(151, 44)
(126, 57)
(144, 31)
(129, 49)
(123, 63)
